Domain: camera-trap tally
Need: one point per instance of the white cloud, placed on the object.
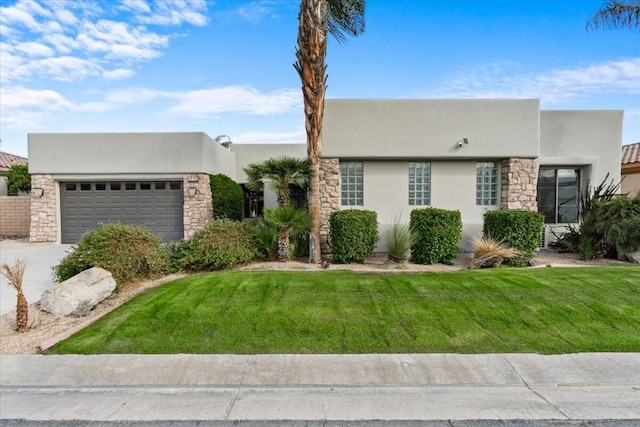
(34, 49)
(173, 12)
(500, 81)
(22, 106)
(119, 74)
(255, 11)
(236, 99)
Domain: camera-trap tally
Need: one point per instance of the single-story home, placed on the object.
(630, 169)
(390, 156)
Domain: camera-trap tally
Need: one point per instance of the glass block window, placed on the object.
(419, 183)
(351, 184)
(486, 183)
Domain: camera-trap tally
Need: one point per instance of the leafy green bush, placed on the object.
(219, 245)
(520, 230)
(175, 255)
(18, 179)
(438, 232)
(128, 252)
(227, 196)
(353, 235)
(617, 221)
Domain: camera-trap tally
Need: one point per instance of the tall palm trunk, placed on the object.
(311, 54)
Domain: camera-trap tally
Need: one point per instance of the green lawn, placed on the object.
(546, 310)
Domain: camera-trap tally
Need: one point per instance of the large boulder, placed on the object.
(633, 257)
(76, 296)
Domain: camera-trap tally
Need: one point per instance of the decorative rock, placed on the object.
(633, 257)
(78, 295)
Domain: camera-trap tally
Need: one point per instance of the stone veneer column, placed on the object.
(44, 210)
(519, 190)
(197, 210)
(329, 198)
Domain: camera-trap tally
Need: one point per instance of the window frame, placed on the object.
(485, 195)
(352, 196)
(557, 187)
(423, 181)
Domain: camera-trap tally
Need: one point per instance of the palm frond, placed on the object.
(345, 18)
(616, 14)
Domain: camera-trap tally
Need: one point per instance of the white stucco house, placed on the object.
(390, 156)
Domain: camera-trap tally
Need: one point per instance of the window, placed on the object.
(101, 186)
(115, 186)
(558, 191)
(70, 187)
(486, 183)
(85, 186)
(419, 183)
(351, 184)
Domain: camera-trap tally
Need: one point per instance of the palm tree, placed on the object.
(616, 14)
(280, 172)
(14, 274)
(317, 18)
(288, 220)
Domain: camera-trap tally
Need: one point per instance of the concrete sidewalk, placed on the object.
(402, 389)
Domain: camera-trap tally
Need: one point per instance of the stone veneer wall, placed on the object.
(329, 198)
(519, 190)
(198, 210)
(44, 210)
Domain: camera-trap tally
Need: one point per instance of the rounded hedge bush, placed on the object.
(437, 234)
(227, 196)
(353, 235)
(219, 245)
(520, 230)
(128, 252)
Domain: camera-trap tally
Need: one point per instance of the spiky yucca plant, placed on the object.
(14, 274)
(489, 252)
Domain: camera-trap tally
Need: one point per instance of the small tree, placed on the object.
(14, 274)
(18, 179)
(288, 220)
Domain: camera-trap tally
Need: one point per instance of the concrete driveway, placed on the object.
(39, 258)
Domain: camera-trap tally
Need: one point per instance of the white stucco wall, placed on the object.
(419, 128)
(453, 187)
(589, 139)
(98, 154)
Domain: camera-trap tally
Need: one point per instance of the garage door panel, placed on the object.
(157, 206)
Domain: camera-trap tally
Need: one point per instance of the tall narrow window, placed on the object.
(351, 184)
(486, 183)
(419, 183)
(558, 191)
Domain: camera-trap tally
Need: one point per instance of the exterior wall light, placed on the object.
(192, 191)
(462, 142)
(37, 191)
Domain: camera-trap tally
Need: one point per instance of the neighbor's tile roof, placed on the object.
(631, 153)
(7, 160)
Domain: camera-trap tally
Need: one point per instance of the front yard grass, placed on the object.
(546, 310)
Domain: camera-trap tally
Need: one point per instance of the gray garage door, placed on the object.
(154, 205)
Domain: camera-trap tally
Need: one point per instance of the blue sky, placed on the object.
(225, 66)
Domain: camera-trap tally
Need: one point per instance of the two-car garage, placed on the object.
(156, 205)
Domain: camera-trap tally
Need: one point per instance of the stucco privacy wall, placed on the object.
(44, 210)
(427, 128)
(15, 215)
(590, 139)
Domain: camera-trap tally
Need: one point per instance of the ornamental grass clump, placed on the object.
(14, 274)
(489, 252)
(399, 239)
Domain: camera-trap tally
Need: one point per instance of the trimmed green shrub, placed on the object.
(353, 235)
(520, 230)
(438, 233)
(227, 196)
(128, 252)
(221, 244)
(18, 179)
(175, 255)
